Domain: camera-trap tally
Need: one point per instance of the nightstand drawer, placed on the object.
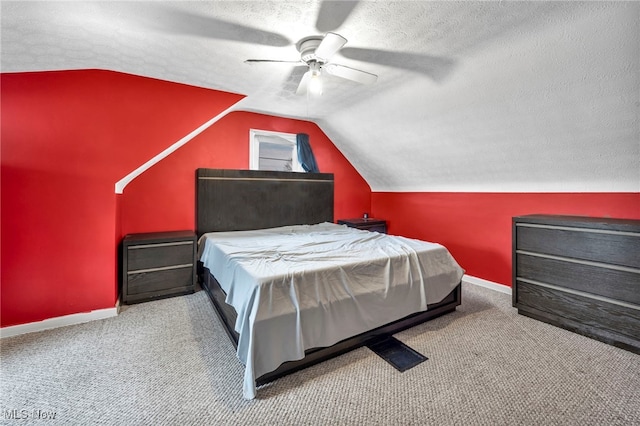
(150, 256)
(368, 224)
(159, 280)
(380, 227)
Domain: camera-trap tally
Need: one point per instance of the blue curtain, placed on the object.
(305, 154)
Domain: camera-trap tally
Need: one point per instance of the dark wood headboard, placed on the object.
(240, 200)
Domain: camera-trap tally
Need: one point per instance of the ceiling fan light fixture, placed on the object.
(315, 79)
(315, 83)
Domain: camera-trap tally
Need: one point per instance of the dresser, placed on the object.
(581, 274)
(157, 265)
(368, 224)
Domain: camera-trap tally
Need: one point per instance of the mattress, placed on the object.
(300, 287)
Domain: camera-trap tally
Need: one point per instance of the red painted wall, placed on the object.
(67, 137)
(476, 227)
(163, 198)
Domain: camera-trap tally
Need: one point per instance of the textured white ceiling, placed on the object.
(471, 96)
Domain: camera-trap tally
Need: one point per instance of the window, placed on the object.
(273, 151)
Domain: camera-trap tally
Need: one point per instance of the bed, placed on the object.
(291, 287)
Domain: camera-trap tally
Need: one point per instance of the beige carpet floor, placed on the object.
(169, 362)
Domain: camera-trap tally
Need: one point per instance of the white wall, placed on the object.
(550, 108)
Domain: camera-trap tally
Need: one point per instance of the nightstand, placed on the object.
(368, 224)
(157, 265)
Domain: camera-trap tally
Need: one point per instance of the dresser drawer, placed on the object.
(150, 256)
(616, 283)
(612, 323)
(609, 247)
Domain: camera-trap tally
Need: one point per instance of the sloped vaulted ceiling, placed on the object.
(471, 96)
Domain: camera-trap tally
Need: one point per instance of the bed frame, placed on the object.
(240, 200)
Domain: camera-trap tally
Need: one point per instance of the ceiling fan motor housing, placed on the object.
(307, 48)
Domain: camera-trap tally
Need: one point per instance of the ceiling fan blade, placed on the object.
(172, 20)
(329, 45)
(251, 61)
(435, 67)
(333, 14)
(352, 74)
(292, 80)
(304, 84)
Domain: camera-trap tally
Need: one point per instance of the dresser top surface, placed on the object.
(631, 225)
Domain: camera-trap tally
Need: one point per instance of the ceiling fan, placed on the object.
(316, 53)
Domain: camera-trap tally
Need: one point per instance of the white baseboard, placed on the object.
(99, 314)
(62, 321)
(485, 283)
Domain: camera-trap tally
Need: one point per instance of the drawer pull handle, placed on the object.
(142, 246)
(164, 268)
(580, 261)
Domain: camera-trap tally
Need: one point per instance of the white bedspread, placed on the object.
(300, 287)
